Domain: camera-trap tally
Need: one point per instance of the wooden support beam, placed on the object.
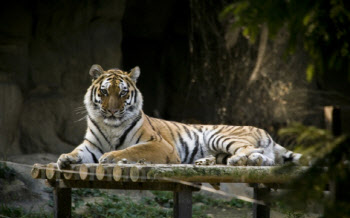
(261, 194)
(121, 185)
(62, 202)
(183, 202)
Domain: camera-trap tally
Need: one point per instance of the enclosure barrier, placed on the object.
(182, 179)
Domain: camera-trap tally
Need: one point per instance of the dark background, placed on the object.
(191, 69)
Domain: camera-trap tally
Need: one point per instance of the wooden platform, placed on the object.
(182, 179)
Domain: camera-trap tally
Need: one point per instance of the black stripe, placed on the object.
(228, 138)
(170, 130)
(98, 80)
(234, 152)
(151, 139)
(201, 151)
(96, 137)
(212, 144)
(229, 146)
(288, 159)
(122, 138)
(135, 96)
(100, 150)
(187, 131)
(199, 128)
(138, 139)
(94, 94)
(150, 124)
(218, 141)
(213, 135)
(195, 150)
(224, 160)
(91, 94)
(98, 128)
(92, 154)
(185, 146)
(176, 125)
(132, 95)
(259, 133)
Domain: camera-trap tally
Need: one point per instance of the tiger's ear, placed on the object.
(135, 73)
(95, 71)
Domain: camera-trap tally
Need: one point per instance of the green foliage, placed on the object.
(329, 156)
(159, 206)
(313, 142)
(115, 206)
(212, 202)
(321, 25)
(6, 211)
(78, 194)
(6, 172)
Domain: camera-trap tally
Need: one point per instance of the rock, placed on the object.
(20, 189)
(10, 110)
(46, 50)
(50, 124)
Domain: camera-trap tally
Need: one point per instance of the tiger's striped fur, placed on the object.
(118, 129)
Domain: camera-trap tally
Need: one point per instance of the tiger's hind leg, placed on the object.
(258, 159)
(252, 159)
(249, 156)
(241, 154)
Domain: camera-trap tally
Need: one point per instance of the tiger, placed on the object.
(119, 130)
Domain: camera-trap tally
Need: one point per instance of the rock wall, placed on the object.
(46, 50)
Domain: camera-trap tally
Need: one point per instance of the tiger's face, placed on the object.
(113, 95)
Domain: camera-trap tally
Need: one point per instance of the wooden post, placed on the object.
(338, 186)
(261, 211)
(332, 118)
(62, 202)
(183, 202)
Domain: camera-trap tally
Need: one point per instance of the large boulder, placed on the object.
(46, 50)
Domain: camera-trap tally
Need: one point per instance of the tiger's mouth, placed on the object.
(112, 116)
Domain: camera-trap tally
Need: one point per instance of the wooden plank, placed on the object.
(176, 172)
(38, 171)
(223, 174)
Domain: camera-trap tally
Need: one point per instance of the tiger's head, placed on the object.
(113, 96)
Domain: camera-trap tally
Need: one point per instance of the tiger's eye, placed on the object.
(104, 91)
(124, 92)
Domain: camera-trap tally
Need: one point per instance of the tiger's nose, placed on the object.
(112, 111)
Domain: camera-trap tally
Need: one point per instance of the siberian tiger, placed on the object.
(118, 129)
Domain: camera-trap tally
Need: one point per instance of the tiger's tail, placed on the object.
(283, 156)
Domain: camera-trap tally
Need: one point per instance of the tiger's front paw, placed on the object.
(65, 160)
(111, 157)
(206, 161)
